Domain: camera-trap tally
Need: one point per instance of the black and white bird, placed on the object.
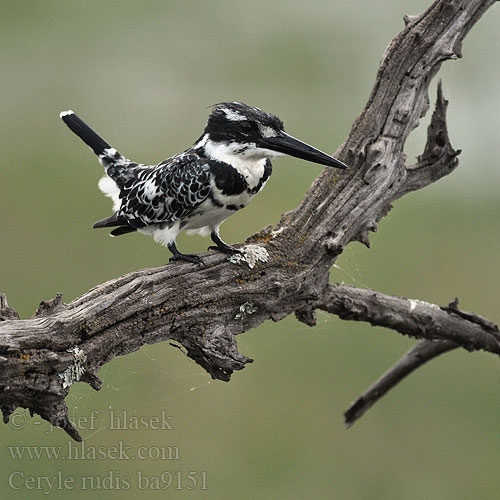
(198, 189)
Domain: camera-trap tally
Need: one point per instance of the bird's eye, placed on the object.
(247, 126)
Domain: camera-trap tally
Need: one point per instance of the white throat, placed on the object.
(247, 159)
(223, 151)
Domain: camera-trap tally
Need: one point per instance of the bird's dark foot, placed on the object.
(187, 258)
(176, 255)
(221, 246)
(225, 249)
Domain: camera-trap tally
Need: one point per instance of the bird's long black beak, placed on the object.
(288, 145)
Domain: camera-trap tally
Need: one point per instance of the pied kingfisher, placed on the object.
(198, 189)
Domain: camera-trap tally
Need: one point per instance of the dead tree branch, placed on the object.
(204, 310)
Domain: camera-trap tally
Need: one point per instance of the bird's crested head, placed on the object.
(237, 129)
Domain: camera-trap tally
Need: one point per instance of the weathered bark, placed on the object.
(204, 309)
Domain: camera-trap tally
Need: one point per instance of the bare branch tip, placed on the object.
(355, 411)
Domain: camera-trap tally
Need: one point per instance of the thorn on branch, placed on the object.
(307, 316)
(92, 379)
(49, 307)
(215, 351)
(7, 411)
(363, 238)
(6, 311)
(474, 318)
(410, 19)
(457, 49)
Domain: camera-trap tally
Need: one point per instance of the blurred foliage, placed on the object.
(143, 73)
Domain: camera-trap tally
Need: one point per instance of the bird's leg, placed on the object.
(176, 255)
(221, 246)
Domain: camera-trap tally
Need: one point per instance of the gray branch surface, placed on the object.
(204, 309)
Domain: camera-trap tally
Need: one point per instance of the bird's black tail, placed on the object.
(119, 168)
(93, 140)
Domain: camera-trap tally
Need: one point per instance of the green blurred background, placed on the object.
(143, 73)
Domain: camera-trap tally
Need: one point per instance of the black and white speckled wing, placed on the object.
(165, 193)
